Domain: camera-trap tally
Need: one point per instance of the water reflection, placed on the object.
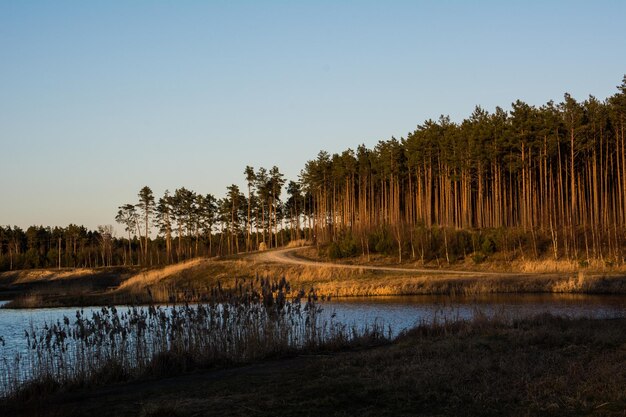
(395, 313)
(403, 312)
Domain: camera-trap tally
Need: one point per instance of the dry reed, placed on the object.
(252, 320)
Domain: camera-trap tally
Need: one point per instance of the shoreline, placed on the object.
(188, 281)
(479, 367)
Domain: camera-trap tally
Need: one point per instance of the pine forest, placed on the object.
(531, 182)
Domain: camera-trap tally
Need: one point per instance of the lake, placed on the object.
(395, 313)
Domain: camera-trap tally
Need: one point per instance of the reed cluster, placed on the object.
(254, 319)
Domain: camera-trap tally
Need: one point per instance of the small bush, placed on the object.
(382, 242)
(345, 247)
(479, 257)
(488, 245)
(333, 250)
(348, 246)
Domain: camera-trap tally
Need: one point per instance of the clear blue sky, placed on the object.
(99, 98)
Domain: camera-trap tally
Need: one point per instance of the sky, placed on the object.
(100, 98)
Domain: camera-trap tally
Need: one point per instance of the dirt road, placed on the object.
(287, 256)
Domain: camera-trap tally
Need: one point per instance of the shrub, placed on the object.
(333, 250)
(344, 247)
(488, 245)
(479, 257)
(348, 246)
(382, 242)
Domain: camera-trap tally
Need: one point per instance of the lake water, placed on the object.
(406, 311)
(395, 313)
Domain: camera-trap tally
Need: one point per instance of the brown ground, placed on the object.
(54, 286)
(539, 367)
(191, 280)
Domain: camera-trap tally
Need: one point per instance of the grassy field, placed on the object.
(190, 280)
(544, 366)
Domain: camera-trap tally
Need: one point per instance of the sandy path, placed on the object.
(286, 256)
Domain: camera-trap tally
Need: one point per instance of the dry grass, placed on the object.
(27, 301)
(191, 280)
(298, 243)
(590, 283)
(338, 282)
(542, 366)
(58, 288)
(153, 276)
(563, 265)
(39, 275)
(545, 266)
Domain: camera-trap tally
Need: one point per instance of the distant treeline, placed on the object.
(43, 247)
(175, 227)
(77, 247)
(545, 181)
